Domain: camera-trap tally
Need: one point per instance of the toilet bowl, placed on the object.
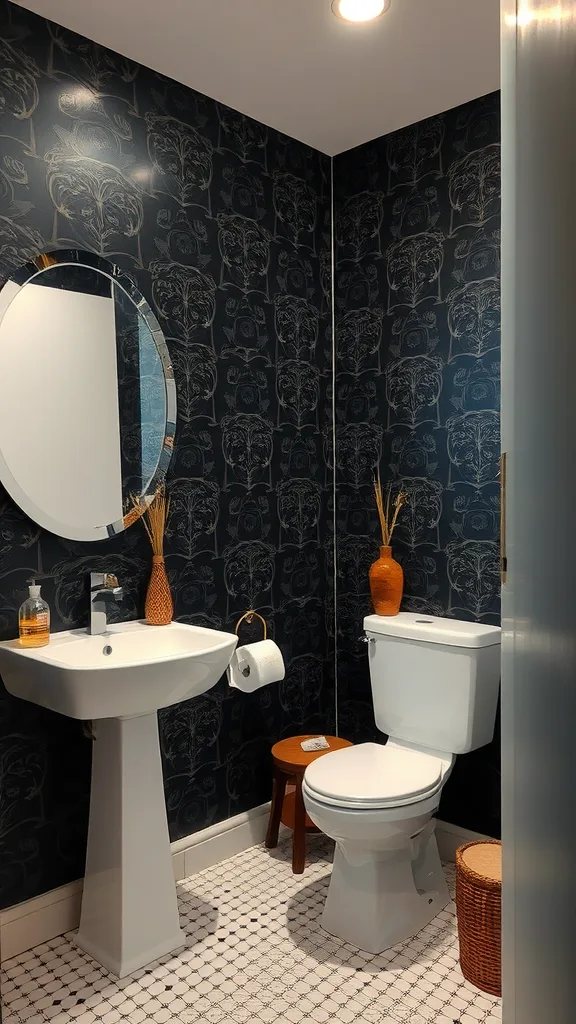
(435, 689)
(378, 805)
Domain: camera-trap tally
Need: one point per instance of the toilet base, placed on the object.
(379, 898)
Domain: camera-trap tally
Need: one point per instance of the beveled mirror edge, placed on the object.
(24, 275)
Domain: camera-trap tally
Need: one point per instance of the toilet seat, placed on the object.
(372, 776)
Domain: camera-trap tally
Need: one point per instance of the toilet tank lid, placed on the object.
(433, 630)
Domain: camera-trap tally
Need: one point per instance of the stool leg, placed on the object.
(278, 791)
(299, 840)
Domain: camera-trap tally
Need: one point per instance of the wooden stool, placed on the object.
(290, 763)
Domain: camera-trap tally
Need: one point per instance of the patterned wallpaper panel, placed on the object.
(223, 225)
(418, 391)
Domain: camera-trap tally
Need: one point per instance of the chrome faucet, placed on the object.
(103, 589)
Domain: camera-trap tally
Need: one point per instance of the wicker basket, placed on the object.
(478, 906)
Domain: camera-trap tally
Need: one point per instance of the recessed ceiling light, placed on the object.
(360, 10)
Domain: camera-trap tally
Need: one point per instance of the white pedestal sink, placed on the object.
(119, 680)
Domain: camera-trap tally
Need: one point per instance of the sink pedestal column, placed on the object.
(129, 909)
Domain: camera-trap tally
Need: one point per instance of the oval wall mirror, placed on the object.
(87, 395)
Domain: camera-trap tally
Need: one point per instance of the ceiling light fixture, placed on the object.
(359, 10)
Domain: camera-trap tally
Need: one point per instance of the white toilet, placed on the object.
(435, 690)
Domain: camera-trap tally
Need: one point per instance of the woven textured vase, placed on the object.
(159, 607)
(386, 583)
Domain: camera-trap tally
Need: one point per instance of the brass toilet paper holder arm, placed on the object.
(249, 616)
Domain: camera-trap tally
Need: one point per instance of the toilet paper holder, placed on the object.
(249, 616)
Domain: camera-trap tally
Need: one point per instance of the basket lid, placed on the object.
(484, 859)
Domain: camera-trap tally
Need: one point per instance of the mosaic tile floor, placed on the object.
(255, 954)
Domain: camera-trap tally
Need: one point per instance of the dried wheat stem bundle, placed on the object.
(155, 517)
(388, 510)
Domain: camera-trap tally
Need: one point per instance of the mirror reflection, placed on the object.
(88, 402)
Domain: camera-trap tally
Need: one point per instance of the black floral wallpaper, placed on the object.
(223, 224)
(418, 391)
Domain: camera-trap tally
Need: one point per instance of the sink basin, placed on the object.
(133, 669)
(119, 680)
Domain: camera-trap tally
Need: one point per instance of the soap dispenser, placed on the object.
(34, 619)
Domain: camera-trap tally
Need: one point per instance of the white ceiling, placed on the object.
(294, 66)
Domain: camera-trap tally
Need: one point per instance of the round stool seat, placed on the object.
(290, 763)
(289, 756)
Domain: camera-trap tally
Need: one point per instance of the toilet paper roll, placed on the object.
(256, 665)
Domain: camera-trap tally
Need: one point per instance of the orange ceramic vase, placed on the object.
(159, 607)
(386, 583)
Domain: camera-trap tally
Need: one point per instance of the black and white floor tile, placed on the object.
(255, 953)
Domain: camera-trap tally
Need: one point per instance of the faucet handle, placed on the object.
(103, 581)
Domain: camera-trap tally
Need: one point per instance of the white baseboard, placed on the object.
(218, 842)
(44, 917)
(37, 920)
(450, 837)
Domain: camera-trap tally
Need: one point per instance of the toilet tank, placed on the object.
(435, 681)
